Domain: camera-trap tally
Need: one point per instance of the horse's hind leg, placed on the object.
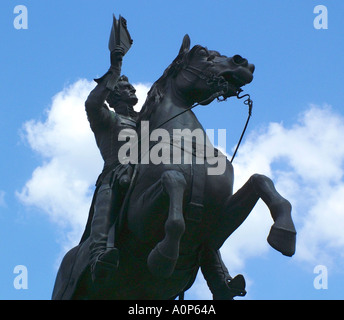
(163, 258)
(282, 236)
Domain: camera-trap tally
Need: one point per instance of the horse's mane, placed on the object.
(154, 97)
(157, 91)
(155, 94)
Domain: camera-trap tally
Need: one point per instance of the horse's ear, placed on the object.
(185, 45)
(177, 63)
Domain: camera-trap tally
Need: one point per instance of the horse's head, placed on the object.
(199, 75)
(202, 75)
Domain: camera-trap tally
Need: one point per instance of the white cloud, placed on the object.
(306, 162)
(141, 93)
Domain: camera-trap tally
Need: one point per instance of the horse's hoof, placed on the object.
(283, 240)
(160, 265)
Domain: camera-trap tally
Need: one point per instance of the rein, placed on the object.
(249, 103)
(217, 96)
(221, 85)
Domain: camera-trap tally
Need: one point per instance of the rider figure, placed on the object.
(115, 178)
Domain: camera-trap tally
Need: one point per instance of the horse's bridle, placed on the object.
(217, 83)
(221, 86)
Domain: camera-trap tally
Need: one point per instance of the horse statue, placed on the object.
(173, 208)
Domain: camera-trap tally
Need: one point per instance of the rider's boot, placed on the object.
(103, 260)
(220, 283)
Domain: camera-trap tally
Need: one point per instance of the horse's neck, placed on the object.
(170, 115)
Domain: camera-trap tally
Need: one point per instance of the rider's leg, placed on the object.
(107, 205)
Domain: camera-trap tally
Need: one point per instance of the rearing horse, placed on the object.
(175, 208)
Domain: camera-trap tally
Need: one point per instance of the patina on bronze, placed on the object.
(161, 223)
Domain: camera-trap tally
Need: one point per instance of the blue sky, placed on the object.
(295, 134)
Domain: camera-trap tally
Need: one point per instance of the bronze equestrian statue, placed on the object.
(152, 225)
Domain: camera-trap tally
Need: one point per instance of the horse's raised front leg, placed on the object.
(163, 258)
(282, 236)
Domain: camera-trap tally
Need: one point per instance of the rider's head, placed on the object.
(123, 97)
